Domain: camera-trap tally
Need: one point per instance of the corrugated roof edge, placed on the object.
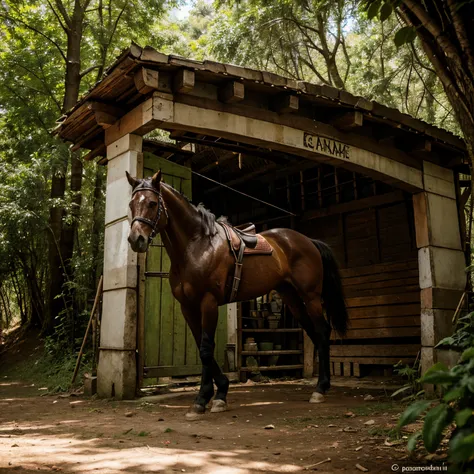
(150, 55)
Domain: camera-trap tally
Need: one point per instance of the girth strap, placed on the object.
(239, 258)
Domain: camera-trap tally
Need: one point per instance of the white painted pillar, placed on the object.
(117, 371)
(440, 259)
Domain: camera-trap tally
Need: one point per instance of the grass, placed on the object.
(38, 367)
(391, 433)
(373, 408)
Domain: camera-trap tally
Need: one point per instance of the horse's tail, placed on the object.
(333, 294)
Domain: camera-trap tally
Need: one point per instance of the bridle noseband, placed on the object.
(161, 206)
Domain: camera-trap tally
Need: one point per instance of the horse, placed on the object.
(303, 271)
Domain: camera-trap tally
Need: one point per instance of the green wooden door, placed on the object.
(169, 347)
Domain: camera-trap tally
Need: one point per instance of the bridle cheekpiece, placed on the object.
(161, 206)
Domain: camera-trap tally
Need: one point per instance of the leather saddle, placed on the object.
(247, 233)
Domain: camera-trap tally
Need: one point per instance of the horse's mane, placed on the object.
(209, 222)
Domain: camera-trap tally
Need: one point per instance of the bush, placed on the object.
(455, 406)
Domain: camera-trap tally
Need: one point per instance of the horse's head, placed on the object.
(146, 206)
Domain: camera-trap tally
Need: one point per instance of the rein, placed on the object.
(152, 223)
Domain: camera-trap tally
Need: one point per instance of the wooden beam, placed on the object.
(248, 176)
(308, 358)
(285, 103)
(373, 361)
(351, 206)
(91, 134)
(287, 136)
(218, 162)
(380, 333)
(389, 141)
(269, 155)
(349, 120)
(146, 80)
(99, 151)
(177, 134)
(371, 350)
(183, 81)
(421, 149)
(422, 146)
(106, 108)
(104, 119)
(147, 116)
(231, 92)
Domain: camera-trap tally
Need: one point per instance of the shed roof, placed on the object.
(117, 93)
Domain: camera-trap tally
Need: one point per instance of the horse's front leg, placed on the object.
(203, 325)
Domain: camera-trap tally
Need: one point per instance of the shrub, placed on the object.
(455, 406)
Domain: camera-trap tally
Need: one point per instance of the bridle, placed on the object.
(161, 206)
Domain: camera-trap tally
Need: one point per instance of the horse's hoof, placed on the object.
(196, 412)
(317, 397)
(218, 406)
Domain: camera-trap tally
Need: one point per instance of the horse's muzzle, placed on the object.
(138, 244)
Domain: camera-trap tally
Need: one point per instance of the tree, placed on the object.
(330, 43)
(53, 50)
(444, 29)
(300, 39)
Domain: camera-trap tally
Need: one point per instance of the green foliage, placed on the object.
(413, 388)
(413, 412)
(43, 369)
(456, 405)
(33, 54)
(404, 35)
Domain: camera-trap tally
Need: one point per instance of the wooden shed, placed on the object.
(379, 186)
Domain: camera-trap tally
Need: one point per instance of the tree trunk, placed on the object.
(98, 224)
(61, 245)
(56, 213)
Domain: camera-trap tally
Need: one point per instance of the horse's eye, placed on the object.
(152, 204)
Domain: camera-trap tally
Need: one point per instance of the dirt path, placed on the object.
(78, 435)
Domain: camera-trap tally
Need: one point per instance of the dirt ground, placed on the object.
(74, 434)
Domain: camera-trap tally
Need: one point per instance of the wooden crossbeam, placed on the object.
(349, 120)
(101, 150)
(389, 140)
(242, 179)
(105, 114)
(269, 155)
(106, 108)
(183, 81)
(231, 92)
(422, 146)
(146, 80)
(285, 103)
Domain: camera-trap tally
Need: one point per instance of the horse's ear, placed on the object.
(133, 182)
(156, 180)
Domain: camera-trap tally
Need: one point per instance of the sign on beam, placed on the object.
(326, 146)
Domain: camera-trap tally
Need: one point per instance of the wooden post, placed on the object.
(308, 363)
(94, 308)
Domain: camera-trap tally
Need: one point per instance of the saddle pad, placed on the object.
(262, 248)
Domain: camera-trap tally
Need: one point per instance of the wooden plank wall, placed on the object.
(376, 250)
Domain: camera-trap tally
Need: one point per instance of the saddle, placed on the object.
(243, 241)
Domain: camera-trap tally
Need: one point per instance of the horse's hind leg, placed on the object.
(310, 315)
(322, 334)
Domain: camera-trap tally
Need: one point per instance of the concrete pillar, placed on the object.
(117, 370)
(440, 259)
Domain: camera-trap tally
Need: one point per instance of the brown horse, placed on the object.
(302, 270)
